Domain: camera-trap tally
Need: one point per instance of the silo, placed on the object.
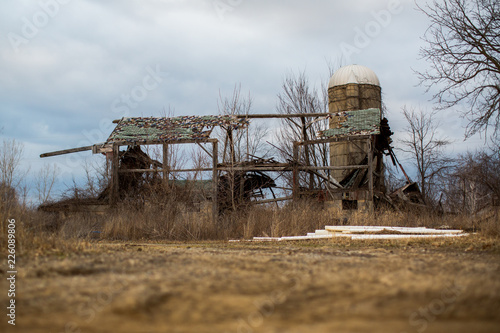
(351, 88)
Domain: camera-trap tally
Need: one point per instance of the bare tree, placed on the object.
(44, 183)
(238, 144)
(176, 154)
(463, 48)
(97, 178)
(11, 175)
(426, 149)
(298, 98)
(474, 181)
(11, 153)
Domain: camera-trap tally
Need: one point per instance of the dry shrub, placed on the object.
(36, 232)
(490, 226)
(175, 221)
(47, 233)
(171, 221)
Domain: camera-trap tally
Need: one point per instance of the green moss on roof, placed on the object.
(171, 129)
(359, 122)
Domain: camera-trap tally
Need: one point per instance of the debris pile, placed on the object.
(369, 232)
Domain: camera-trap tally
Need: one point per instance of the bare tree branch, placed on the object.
(425, 149)
(463, 49)
(298, 98)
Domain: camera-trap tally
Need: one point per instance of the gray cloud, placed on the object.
(59, 89)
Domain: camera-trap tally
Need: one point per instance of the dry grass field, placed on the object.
(336, 285)
(151, 271)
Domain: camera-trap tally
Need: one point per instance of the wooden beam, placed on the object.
(114, 175)
(262, 168)
(306, 151)
(370, 173)
(258, 202)
(269, 168)
(345, 167)
(140, 170)
(295, 175)
(66, 151)
(330, 140)
(215, 181)
(166, 168)
(270, 115)
(319, 175)
(278, 115)
(206, 151)
(257, 166)
(159, 142)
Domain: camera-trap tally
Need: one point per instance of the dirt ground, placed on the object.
(312, 286)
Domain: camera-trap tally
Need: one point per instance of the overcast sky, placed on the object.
(69, 67)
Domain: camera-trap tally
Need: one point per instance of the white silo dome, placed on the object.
(356, 74)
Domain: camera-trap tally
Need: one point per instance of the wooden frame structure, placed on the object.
(115, 172)
(371, 170)
(295, 166)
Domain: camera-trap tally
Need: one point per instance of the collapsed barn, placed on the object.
(352, 179)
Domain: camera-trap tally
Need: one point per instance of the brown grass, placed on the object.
(51, 232)
(36, 233)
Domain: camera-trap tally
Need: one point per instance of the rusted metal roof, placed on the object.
(162, 129)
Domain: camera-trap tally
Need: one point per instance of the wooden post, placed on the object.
(306, 151)
(215, 181)
(115, 164)
(231, 146)
(166, 167)
(295, 177)
(232, 157)
(370, 173)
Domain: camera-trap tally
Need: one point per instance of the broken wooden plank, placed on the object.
(370, 237)
(416, 230)
(266, 238)
(259, 202)
(66, 151)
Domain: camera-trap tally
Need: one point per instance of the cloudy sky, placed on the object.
(69, 67)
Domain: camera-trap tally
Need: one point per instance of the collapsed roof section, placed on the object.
(359, 122)
(160, 129)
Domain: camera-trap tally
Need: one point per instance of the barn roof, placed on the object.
(359, 122)
(162, 129)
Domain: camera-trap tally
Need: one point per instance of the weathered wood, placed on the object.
(330, 140)
(295, 175)
(345, 167)
(159, 142)
(319, 175)
(215, 180)
(257, 166)
(141, 170)
(205, 149)
(114, 175)
(306, 151)
(370, 173)
(270, 115)
(270, 168)
(258, 202)
(403, 230)
(66, 151)
(278, 115)
(166, 167)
